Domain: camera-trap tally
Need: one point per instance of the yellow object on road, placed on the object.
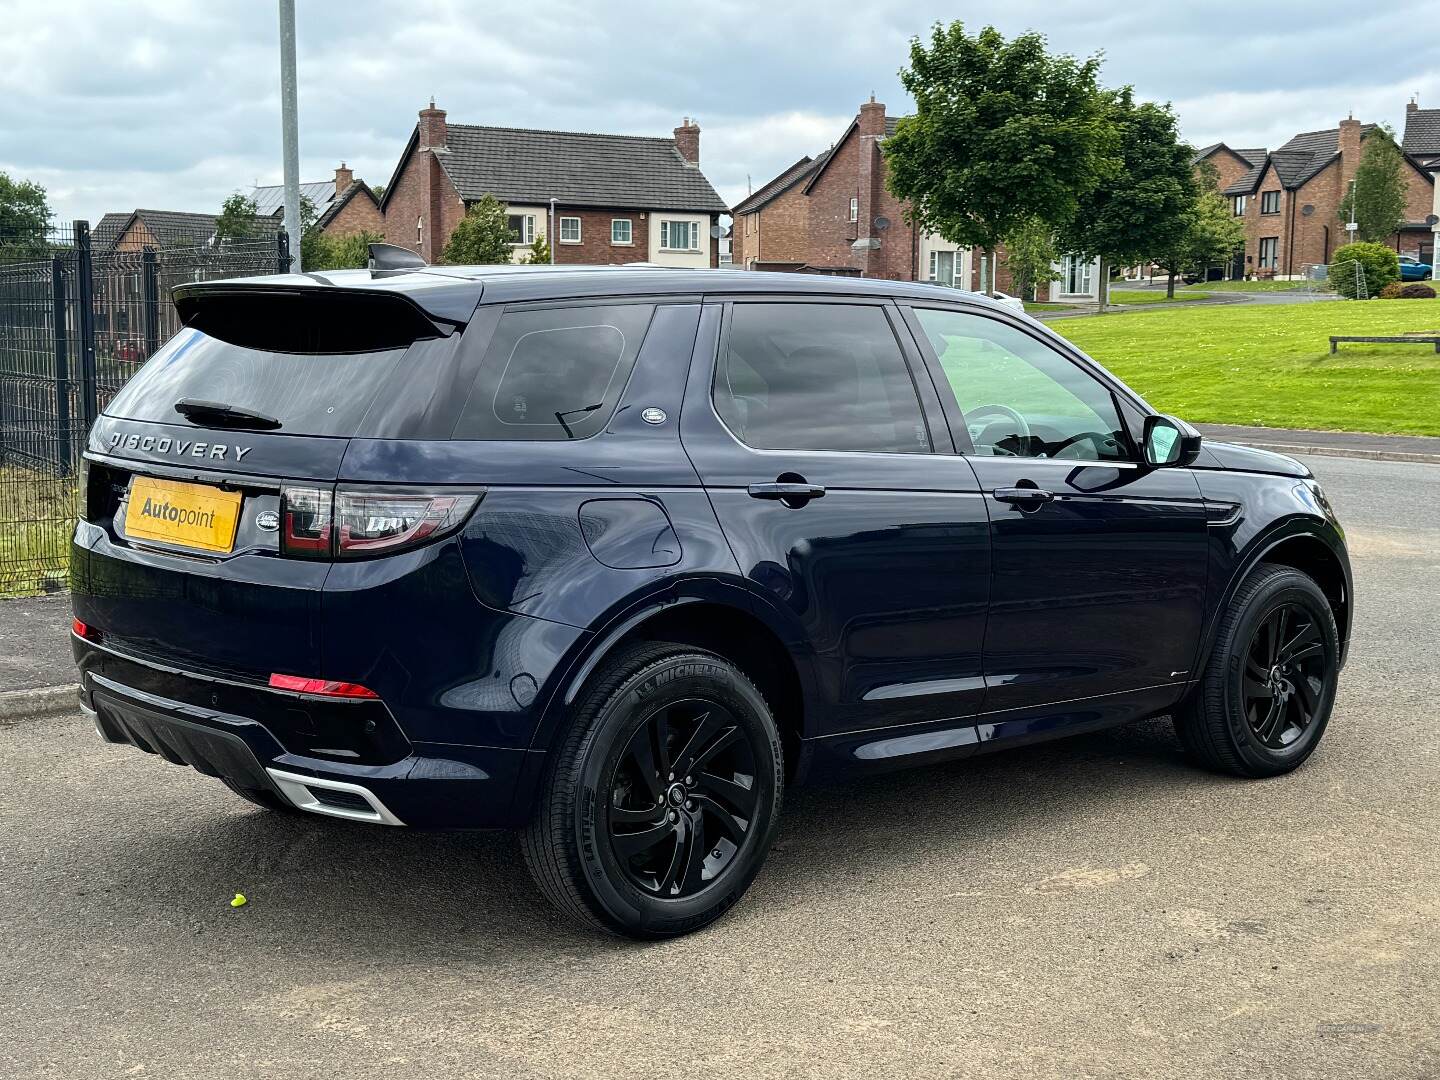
(239, 900)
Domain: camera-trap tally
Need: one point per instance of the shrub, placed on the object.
(1363, 269)
(1390, 292)
(1417, 290)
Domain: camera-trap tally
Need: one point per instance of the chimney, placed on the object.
(432, 128)
(343, 179)
(872, 118)
(1411, 106)
(687, 140)
(1349, 146)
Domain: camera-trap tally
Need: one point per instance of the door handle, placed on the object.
(1026, 498)
(790, 493)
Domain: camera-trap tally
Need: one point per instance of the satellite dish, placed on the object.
(716, 231)
(881, 224)
(1307, 210)
(1431, 219)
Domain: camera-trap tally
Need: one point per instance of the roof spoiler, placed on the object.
(387, 259)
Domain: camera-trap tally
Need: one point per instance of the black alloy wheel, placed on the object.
(1284, 676)
(682, 798)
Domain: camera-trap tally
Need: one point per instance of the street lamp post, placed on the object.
(290, 131)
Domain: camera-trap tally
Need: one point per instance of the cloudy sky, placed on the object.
(173, 104)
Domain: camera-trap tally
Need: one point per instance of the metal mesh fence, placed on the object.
(79, 314)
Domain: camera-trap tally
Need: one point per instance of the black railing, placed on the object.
(79, 314)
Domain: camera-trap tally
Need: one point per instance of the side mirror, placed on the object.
(1169, 442)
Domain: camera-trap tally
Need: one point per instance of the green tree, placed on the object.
(239, 219)
(1212, 232)
(539, 251)
(1360, 271)
(351, 252)
(482, 237)
(1003, 132)
(1378, 194)
(1140, 212)
(1030, 255)
(24, 217)
(314, 244)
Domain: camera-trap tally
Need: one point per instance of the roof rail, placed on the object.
(391, 259)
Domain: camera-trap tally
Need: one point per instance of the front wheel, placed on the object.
(1266, 694)
(662, 802)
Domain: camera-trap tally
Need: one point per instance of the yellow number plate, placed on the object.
(190, 515)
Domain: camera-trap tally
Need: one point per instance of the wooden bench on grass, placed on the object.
(1428, 337)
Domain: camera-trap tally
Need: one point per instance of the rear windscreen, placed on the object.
(309, 394)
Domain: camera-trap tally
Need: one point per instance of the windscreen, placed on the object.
(309, 394)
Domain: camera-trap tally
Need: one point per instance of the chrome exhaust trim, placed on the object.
(298, 789)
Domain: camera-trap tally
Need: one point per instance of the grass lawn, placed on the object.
(1270, 365)
(1151, 296)
(1241, 286)
(1046, 306)
(37, 516)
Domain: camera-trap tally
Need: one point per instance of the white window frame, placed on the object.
(667, 235)
(935, 267)
(527, 229)
(629, 240)
(854, 208)
(570, 239)
(1076, 275)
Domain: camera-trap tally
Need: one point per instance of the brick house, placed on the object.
(834, 214)
(1289, 198)
(616, 198)
(1421, 143)
(343, 206)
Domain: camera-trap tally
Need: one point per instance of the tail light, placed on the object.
(323, 687)
(356, 523)
(82, 630)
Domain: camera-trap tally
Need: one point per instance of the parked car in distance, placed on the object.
(1014, 303)
(1412, 269)
(613, 556)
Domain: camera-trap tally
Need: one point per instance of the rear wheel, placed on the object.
(1266, 695)
(663, 800)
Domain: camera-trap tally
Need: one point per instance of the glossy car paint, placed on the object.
(922, 619)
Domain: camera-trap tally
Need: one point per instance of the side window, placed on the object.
(818, 377)
(1019, 397)
(553, 373)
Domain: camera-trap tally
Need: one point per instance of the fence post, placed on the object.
(150, 294)
(85, 299)
(282, 252)
(64, 436)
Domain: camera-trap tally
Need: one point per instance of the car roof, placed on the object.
(445, 290)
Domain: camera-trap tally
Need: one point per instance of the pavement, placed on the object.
(1089, 908)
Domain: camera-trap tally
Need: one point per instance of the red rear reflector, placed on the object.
(325, 687)
(79, 629)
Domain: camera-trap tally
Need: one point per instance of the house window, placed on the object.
(620, 231)
(942, 267)
(570, 230)
(1269, 252)
(1269, 202)
(680, 235)
(1239, 205)
(419, 232)
(522, 228)
(854, 209)
(1075, 275)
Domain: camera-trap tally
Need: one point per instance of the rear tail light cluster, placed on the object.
(323, 687)
(317, 523)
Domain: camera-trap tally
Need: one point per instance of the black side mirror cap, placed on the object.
(1169, 442)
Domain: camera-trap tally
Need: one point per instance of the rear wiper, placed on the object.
(217, 412)
(560, 416)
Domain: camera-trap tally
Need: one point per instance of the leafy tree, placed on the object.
(1141, 211)
(1360, 271)
(1003, 132)
(1212, 232)
(483, 235)
(350, 252)
(1030, 255)
(378, 190)
(239, 219)
(313, 243)
(24, 217)
(1378, 194)
(539, 251)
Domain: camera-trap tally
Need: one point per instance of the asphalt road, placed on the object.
(1091, 908)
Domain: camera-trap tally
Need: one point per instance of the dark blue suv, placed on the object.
(612, 555)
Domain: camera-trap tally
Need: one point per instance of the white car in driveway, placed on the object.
(1009, 301)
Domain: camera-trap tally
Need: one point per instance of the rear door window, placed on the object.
(554, 373)
(309, 393)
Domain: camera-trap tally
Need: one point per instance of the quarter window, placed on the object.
(553, 373)
(570, 230)
(620, 231)
(818, 377)
(1019, 397)
(1269, 202)
(680, 235)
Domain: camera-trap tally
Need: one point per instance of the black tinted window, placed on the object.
(310, 394)
(554, 373)
(818, 377)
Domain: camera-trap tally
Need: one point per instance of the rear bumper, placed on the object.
(240, 733)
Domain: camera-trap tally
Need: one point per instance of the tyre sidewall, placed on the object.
(1288, 588)
(690, 676)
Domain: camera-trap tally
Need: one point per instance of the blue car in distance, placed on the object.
(1412, 269)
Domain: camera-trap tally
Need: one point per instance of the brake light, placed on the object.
(84, 630)
(324, 687)
(369, 522)
(305, 522)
